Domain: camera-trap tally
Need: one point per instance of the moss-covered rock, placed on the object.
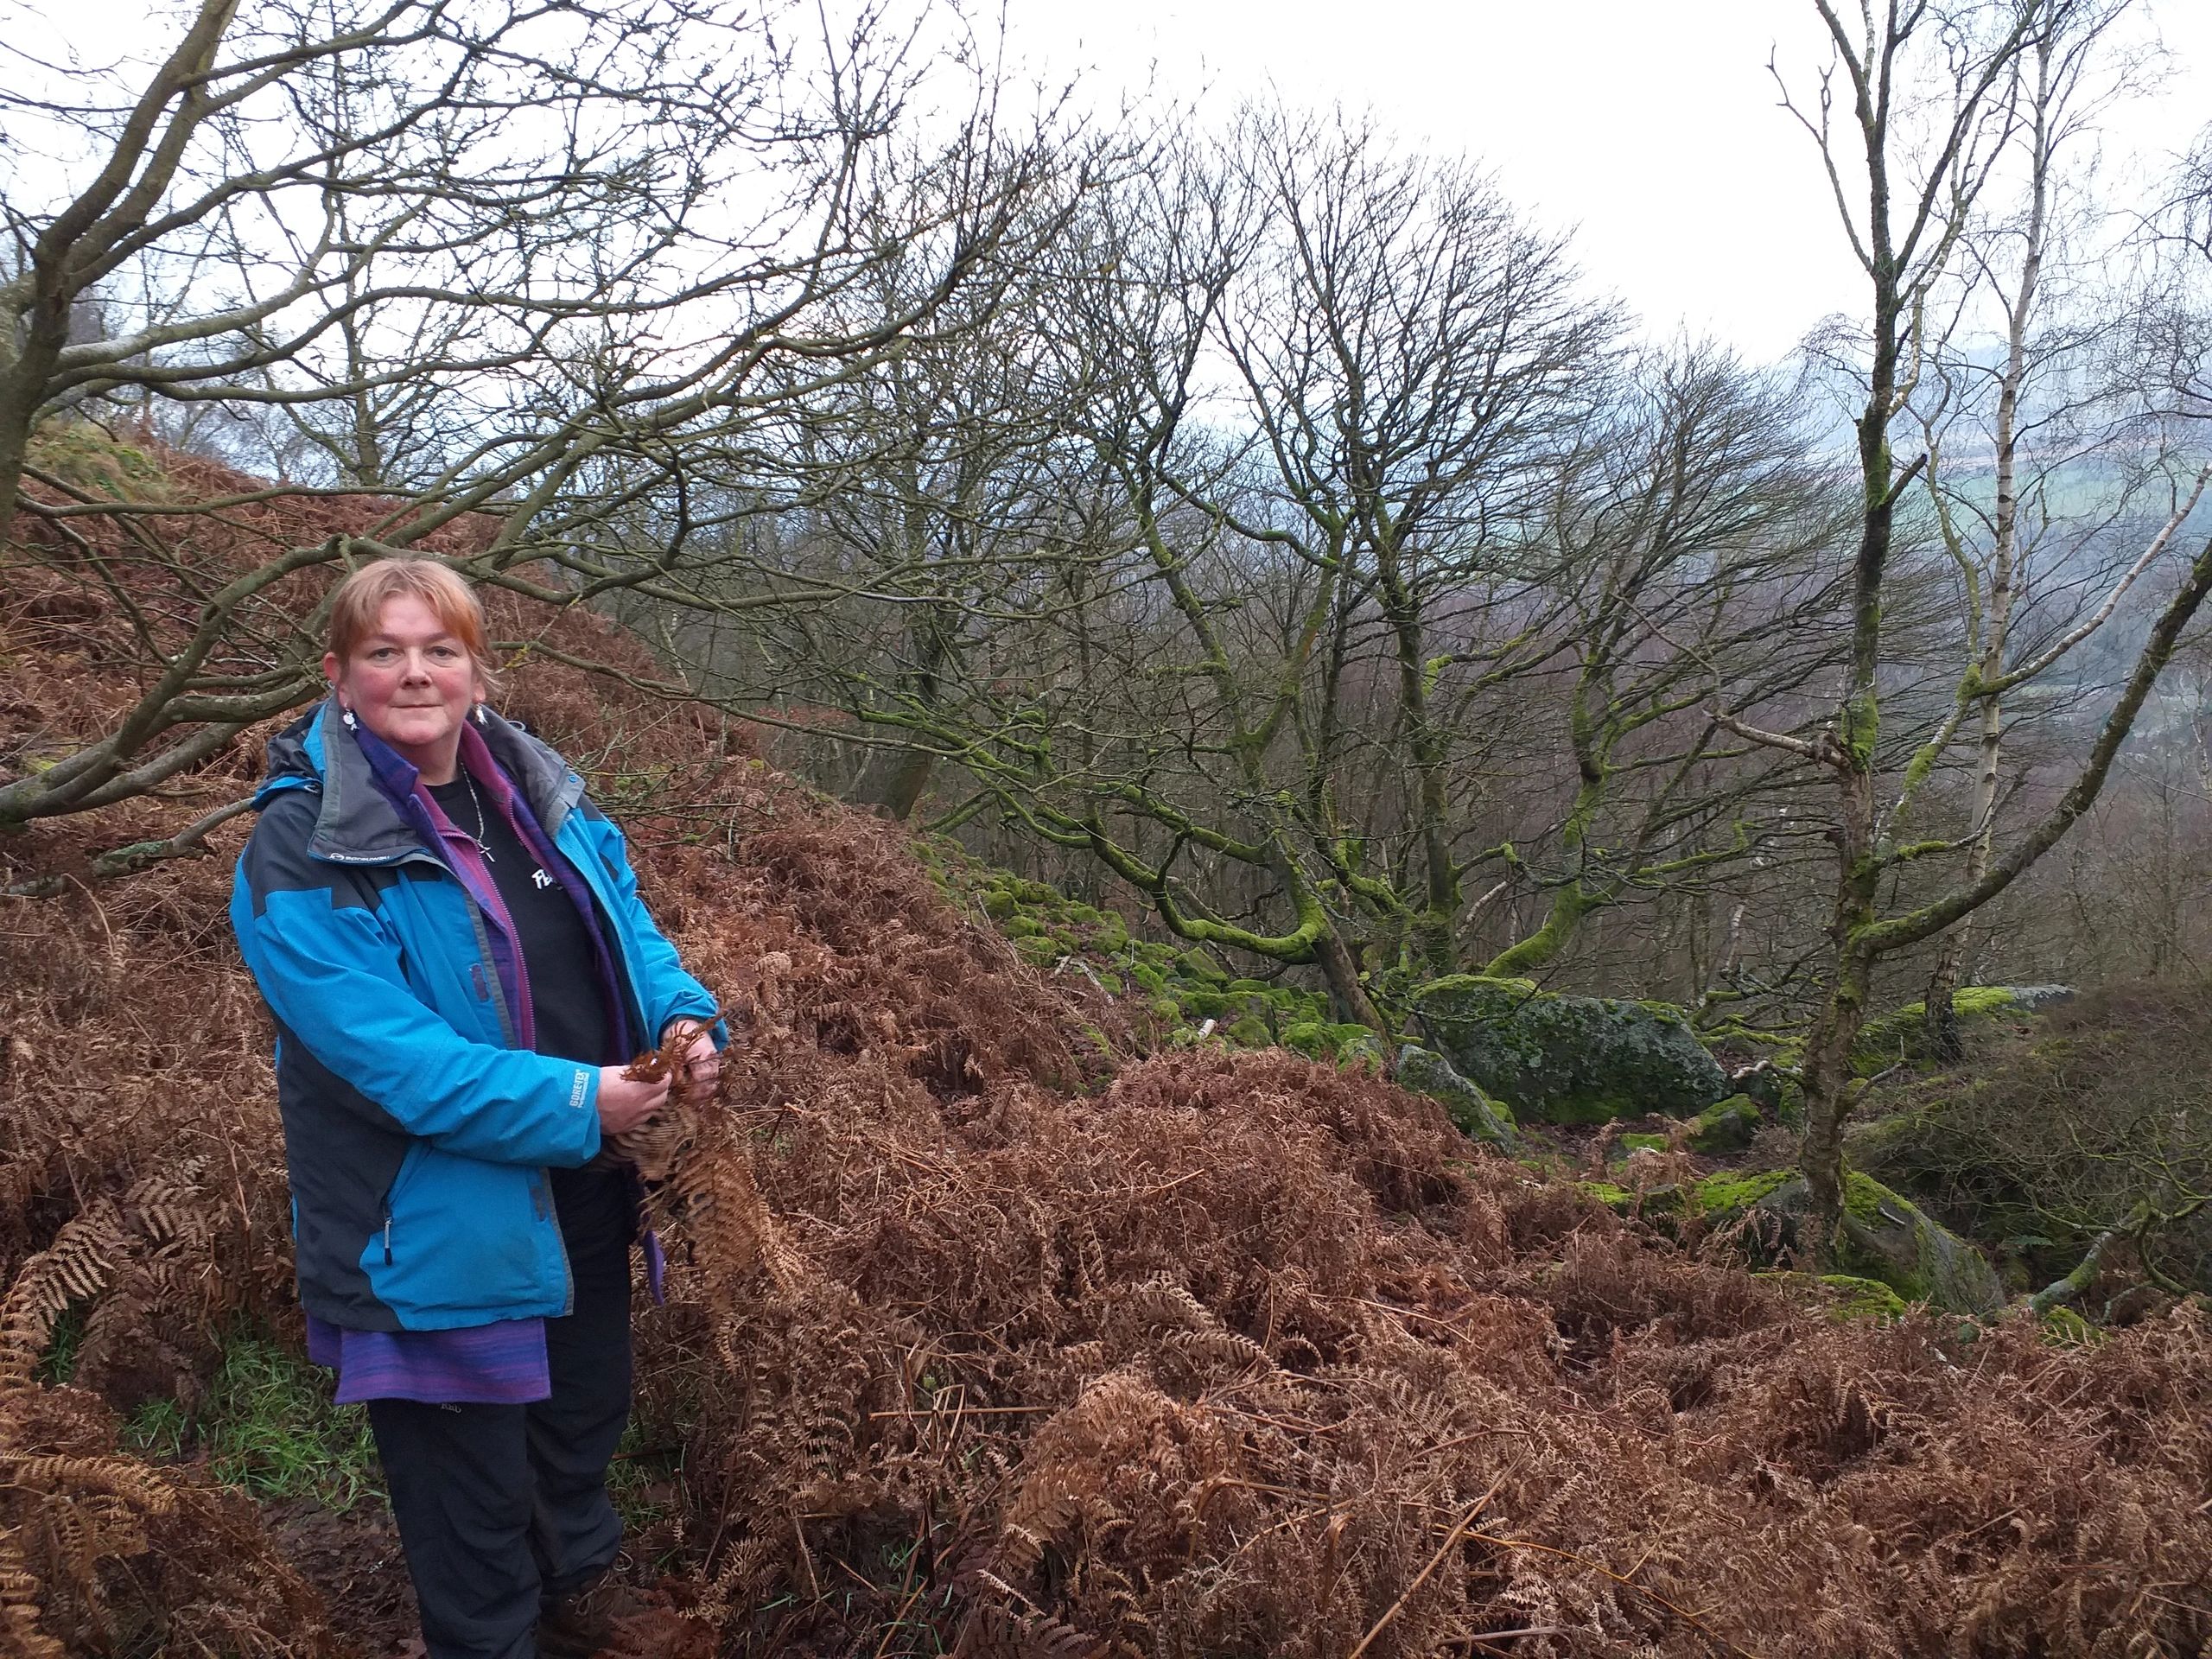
(1196, 965)
(1477, 1115)
(1725, 1196)
(1630, 1143)
(1727, 1126)
(1183, 987)
(1846, 1296)
(1885, 1236)
(1864, 1299)
(1614, 1197)
(1568, 1059)
(1900, 1036)
(1924, 1260)
(1358, 1047)
(2069, 1328)
(1765, 1085)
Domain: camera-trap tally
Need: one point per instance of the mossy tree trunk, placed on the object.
(1976, 55)
(34, 327)
(1900, 261)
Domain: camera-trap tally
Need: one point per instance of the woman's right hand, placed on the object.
(624, 1104)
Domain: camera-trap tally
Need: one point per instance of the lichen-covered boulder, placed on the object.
(1900, 1036)
(1568, 1059)
(1196, 965)
(1477, 1115)
(1727, 1126)
(1885, 1236)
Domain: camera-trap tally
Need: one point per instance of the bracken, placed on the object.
(980, 1341)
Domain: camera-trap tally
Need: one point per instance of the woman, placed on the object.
(451, 942)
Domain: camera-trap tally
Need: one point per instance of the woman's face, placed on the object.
(411, 682)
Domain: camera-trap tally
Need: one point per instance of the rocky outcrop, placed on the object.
(1727, 1126)
(1568, 1059)
(1477, 1116)
(1885, 1236)
(1900, 1037)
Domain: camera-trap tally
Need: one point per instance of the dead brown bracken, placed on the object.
(983, 1337)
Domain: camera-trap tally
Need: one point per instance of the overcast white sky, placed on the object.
(1650, 126)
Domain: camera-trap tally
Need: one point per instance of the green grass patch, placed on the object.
(58, 1363)
(267, 1425)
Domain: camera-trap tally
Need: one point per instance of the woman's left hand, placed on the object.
(702, 1068)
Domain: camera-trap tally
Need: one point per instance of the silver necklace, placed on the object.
(477, 806)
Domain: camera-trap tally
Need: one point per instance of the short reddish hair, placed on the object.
(358, 606)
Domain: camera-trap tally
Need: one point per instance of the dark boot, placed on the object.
(587, 1624)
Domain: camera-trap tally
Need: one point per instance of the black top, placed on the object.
(568, 1005)
(565, 990)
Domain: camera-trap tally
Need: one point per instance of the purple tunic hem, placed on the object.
(502, 1363)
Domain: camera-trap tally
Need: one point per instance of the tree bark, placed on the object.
(893, 781)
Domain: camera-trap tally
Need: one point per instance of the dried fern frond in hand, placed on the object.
(655, 1144)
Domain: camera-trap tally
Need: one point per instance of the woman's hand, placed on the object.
(624, 1104)
(700, 1070)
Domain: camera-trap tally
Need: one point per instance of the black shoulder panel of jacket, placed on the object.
(276, 859)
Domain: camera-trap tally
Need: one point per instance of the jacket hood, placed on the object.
(356, 825)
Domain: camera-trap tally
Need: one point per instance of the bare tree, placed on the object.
(1691, 528)
(1937, 96)
(2025, 419)
(1236, 554)
(585, 238)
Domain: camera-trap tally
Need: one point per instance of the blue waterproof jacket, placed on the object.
(416, 1136)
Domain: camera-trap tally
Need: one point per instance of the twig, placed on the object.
(1436, 1561)
(1488, 1636)
(961, 1411)
(806, 1555)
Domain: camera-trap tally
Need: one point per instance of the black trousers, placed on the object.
(502, 1507)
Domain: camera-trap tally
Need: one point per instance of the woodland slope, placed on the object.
(986, 1333)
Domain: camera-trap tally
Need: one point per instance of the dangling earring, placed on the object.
(346, 714)
(483, 716)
